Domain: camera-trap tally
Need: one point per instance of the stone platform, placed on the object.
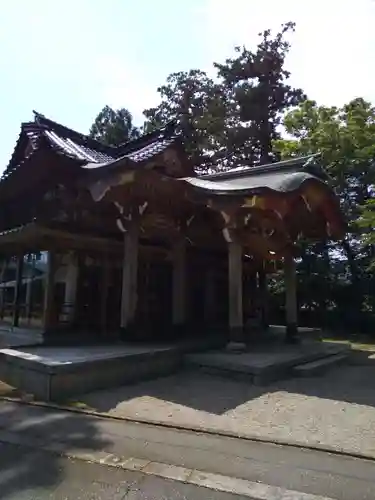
(52, 373)
(263, 364)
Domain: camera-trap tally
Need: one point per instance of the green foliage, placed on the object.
(196, 102)
(113, 127)
(231, 121)
(256, 89)
(345, 139)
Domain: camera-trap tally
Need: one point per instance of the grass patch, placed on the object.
(7, 391)
(79, 405)
(361, 344)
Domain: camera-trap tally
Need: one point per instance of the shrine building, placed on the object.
(137, 245)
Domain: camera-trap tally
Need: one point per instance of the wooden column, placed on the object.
(129, 275)
(179, 282)
(17, 291)
(2, 291)
(49, 293)
(263, 294)
(209, 296)
(291, 298)
(235, 293)
(29, 287)
(104, 294)
(71, 283)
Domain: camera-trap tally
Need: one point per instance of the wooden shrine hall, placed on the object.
(138, 244)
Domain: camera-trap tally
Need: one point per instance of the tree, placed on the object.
(113, 127)
(257, 93)
(195, 102)
(232, 120)
(345, 139)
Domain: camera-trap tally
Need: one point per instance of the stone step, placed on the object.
(319, 366)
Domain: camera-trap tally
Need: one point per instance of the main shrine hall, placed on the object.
(138, 245)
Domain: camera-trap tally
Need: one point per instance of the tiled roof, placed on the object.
(73, 149)
(157, 146)
(85, 148)
(152, 149)
(89, 152)
(73, 143)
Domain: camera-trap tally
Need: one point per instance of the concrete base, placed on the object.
(52, 373)
(264, 364)
(55, 373)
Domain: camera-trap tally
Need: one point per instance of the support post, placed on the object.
(104, 294)
(49, 295)
(71, 283)
(179, 282)
(2, 292)
(235, 296)
(17, 291)
(209, 296)
(263, 293)
(291, 299)
(29, 287)
(129, 276)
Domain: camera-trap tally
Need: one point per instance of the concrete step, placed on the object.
(319, 366)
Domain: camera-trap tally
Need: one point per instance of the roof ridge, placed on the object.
(90, 142)
(168, 130)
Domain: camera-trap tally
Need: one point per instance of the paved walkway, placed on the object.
(335, 411)
(245, 467)
(26, 474)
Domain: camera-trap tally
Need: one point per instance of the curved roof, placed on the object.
(43, 138)
(283, 177)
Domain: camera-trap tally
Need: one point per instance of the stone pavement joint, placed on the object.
(217, 482)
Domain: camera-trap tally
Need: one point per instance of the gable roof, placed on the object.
(86, 152)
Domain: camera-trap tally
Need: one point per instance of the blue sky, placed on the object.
(68, 59)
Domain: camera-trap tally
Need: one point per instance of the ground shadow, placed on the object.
(351, 382)
(24, 469)
(188, 388)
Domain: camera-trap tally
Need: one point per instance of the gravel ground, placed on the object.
(335, 410)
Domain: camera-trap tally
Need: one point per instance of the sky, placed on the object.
(69, 59)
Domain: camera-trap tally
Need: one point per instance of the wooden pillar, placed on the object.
(263, 295)
(235, 293)
(104, 294)
(2, 291)
(179, 282)
(49, 293)
(17, 291)
(71, 283)
(209, 296)
(291, 298)
(129, 276)
(29, 287)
